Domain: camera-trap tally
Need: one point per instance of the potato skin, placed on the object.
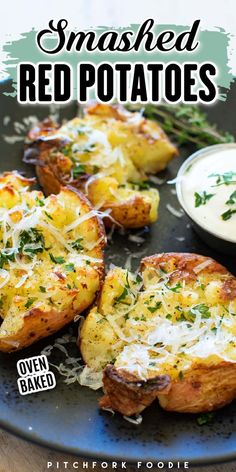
(202, 387)
(146, 149)
(28, 326)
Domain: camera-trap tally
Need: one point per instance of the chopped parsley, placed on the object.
(142, 185)
(79, 169)
(228, 214)
(123, 295)
(227, 178)
(39, 201)
(77, 244)
(181, 375)
(232, 199)
(202, 309)
(57, 260)
(176, 287)
(30, 302)
(152, 309)
(4, 258)
(70, 267)
(31, 242)
(42, 289)
(48, 215)
(202, 198)
(205, 418)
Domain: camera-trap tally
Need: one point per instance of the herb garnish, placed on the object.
(185, 123)
(70, 267)
(152, 309)
(232, 199)
(48, 215)
(202, 198)
(30, 302)
(79, 169)
(175, 288)
(77, 244)
(39, 201)
(228, 214)
(202, 309)
(205, 418)
(142, 185)
(224, 179)
(57, 260)
(31, 242)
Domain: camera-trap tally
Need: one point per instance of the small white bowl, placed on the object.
(220, 244)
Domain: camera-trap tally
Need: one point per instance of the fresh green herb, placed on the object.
(205, 418)
(224, 179)
(42, 289)
(67, 150)
(78, 170)
(142, 185)
(48, 215)
(228, 214)
(123, 295)
(31, 242)
(87, 262)
(4, 258)
(138, 279)
(69, 286)
(214, 330)
(169, 316)
(152, 364)
(182, 317)
(202, 309)
(39, 201)
(126, 290)
(202, 198)
(152, 309)
(181, 375)
(186, 124)
(57, 260)
(70, 267)
(176, 287)
(30, 302)
(232, 199)
(77, 244)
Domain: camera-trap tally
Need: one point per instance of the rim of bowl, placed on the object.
(182, 170)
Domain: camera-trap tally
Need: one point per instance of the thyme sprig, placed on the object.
(185, 123)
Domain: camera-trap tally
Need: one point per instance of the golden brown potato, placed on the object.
(51, 260)
(107, 155)
(168, 333)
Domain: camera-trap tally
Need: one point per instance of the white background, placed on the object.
(19, 16)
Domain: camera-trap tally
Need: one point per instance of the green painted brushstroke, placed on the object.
(213, 47)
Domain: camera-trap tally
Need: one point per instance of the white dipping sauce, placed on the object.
(205, 196)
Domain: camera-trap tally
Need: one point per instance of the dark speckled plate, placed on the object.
(67, 418)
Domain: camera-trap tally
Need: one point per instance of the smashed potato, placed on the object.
(51, 260)
(107, 154)
(168, 333)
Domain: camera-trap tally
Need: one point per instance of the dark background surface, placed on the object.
(68, 418)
